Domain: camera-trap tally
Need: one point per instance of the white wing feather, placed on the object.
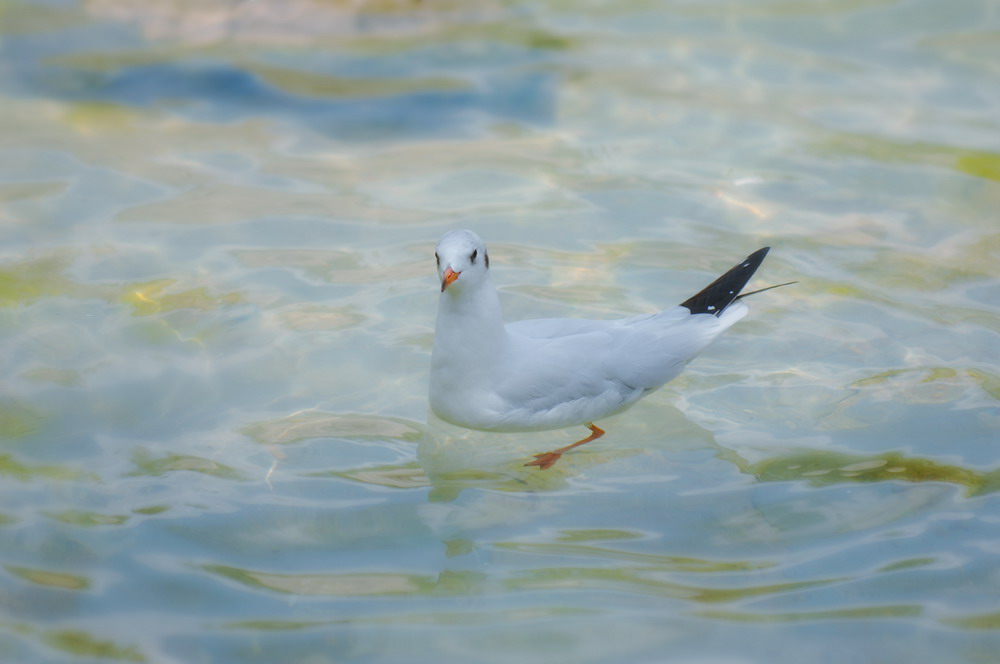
(562, 370)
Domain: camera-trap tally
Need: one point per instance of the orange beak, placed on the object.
(449, 277)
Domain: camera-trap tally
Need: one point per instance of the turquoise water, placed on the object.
(217, 295)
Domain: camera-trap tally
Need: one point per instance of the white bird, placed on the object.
(552, 373)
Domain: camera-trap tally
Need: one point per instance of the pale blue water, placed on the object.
(217, 295)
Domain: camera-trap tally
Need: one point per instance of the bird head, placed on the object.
(461, 259)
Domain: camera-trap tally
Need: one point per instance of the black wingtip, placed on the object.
(714, 298)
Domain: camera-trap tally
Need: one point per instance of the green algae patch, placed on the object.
(823, 468)
(152, 297)
(26, 282)
(155, 467)
(88, 519)
(49, 578)
(983, 621)
(82, 644)
(17, 421)
(11, 467)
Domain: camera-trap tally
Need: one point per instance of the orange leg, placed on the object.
(548, 459)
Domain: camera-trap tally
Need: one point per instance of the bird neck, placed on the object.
(470, 320)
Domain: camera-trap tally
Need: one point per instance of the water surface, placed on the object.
(217, 297)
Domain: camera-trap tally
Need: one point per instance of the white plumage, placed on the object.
(553, 373)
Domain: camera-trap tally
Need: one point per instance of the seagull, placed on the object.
(534, 375)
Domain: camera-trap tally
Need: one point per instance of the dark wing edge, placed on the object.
(714, 298)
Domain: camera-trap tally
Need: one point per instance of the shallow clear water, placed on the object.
(217, 296)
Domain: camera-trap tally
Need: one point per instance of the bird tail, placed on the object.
(714, 298)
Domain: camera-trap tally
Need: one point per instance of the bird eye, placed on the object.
(437, 258)
(472, 256)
